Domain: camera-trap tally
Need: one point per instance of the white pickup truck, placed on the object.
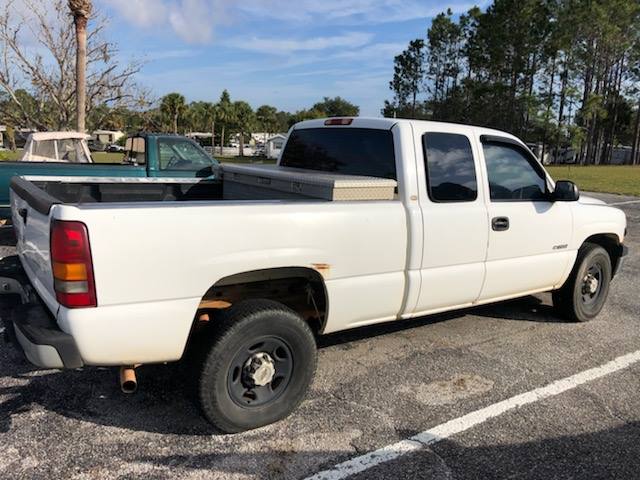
(129, 272)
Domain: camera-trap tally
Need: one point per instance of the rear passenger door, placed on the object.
(454, 216)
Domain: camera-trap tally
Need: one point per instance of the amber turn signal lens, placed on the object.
(70, 272)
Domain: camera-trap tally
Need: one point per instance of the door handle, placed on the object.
(500, 224)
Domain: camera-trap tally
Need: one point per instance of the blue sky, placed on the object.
(280, 52)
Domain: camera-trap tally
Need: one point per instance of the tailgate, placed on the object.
(30, 209)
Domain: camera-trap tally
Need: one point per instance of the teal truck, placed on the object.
(146, 155)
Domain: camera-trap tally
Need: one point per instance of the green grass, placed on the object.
(8, 155)
(244, 160)
(105, 157)
(98, 157)
(623, 179)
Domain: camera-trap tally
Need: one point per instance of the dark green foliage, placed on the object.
(408, 77)
(336, 107)
(565, 73)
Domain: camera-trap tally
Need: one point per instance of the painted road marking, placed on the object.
(461, 424)
(624, 203)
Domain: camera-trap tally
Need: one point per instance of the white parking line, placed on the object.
(624, 203)
(461, 424)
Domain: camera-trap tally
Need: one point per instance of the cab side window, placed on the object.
(451, 172)
(179, 154)
(512, 175)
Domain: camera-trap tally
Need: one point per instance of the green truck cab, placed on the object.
(146, 155)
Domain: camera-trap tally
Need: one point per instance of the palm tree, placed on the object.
(81, 9)
(202, 117)
(173, 106)
(245, 120)
(210, 112)
(267, 119)
(225, 115)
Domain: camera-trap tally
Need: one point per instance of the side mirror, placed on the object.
(565, 191)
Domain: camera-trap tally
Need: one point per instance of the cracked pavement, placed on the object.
(374, 387)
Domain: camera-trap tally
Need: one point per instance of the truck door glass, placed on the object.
(451, 173)
(512, 177)
(178, 154)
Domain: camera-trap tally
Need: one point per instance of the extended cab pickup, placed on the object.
(146, 155)
(248, 284)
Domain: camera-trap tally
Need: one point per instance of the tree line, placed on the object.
(222, 118)
(564, 73)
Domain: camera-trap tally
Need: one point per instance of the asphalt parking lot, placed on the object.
(374, 388)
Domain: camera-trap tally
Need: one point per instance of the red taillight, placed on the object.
(71, 264)
(338, 121)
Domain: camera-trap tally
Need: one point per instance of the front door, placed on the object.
(454, 217)
(529, 234)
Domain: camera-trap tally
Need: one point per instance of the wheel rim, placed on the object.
(591, 286)
(260, 371)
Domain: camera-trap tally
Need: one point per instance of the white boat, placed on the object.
(57, 147)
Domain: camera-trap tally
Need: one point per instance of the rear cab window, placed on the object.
(349, 151)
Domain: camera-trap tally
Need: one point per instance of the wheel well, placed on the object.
(611, 243)
(301, 289)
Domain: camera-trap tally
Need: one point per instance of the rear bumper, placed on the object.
(28, 323)
(42, 342)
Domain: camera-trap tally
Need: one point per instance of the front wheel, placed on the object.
(259, 366)
(584, 293)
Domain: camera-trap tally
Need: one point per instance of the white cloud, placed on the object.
(353, 12)
(141, 13)
(194, 20)
(191, 20)
(289, 45)
(170, 54)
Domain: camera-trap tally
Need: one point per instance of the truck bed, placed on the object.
(109, 190)
(155, 255)
(12, 169)
(238, 183)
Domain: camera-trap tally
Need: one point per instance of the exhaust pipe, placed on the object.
(128, 381)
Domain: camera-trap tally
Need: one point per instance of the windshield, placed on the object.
(350, 151)
(61, 150)
(183, 154)
(70, 150)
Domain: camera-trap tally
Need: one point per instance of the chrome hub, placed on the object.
(590, 284)
(260, 369)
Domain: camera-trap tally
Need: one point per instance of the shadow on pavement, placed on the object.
(164, 402)
(588, 455)
(529, 309)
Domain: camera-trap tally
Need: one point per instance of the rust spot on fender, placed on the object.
(323, 268)
(218, 304)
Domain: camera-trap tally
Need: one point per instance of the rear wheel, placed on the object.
(585, 292)
(258, 367)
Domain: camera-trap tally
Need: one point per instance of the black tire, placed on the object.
(580, 299)
(252, 328)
